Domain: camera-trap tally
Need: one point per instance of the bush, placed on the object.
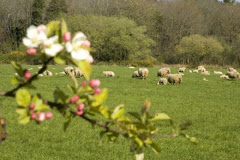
(116, 39)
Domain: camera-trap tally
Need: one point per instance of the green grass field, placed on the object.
(213, 107)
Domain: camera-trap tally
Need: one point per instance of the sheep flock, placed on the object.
(165, 74)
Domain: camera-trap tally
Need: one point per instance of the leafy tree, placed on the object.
(37, 12)
(113, 38)
(55, 8)
(197, 49)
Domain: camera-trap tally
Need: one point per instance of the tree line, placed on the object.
(178, 31)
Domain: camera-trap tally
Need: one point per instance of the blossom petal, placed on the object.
(79, 37)
(81, 54)
(31, 32)
(27, 42)
(69, 47)
(55, 48)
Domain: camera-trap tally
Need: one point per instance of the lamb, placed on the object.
(233, 75)
(207, 73)
(109, 73)
(135, 74)
(131, 67)
(204, 79)
(182, 69)
(190, 71)
(175, 78)
(224, 76)
(47, 73)
(143, 72)
(162, 81)
(78, 72)
(217, 72)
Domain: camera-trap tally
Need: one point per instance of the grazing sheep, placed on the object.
(182, 69)
(190, 71)
(207, 73)
(47, 73)
(175, 78)
(68, 70)
(162, 81)
(109, 73)
(195, 71)
(232, 70)
(135, 74)
(78, 72)
(40, 75)
(217, 72)
(40, 67)
(224, 76)
(143, 72)
(163, 72)
(233, 75)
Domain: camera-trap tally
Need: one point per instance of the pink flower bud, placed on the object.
(79, 112)
(48, 115)
(94, 83)
(41, 117)
(84, 83)
(31, 51)
(31, 106)
(97, 91)
(67, 37)
(86, 43)
(80, 106)
(27, 74)
(74, 99)
(33, 115)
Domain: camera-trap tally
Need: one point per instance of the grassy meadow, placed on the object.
(212, 106)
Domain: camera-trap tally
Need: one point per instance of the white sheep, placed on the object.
(109, 73)
(204, 79)
(143, 72)
(175, 78)
(78, 72)
(201, 68)
(217, 72)
(69, 70)
(163, 72)
(232, 69)
(233, 75)
(131, 67)
(162, 81)
(182, 69)
(190, 71)
(195, 71)
(47, 73)
(224, 76)
(40, 75)
(207, 73)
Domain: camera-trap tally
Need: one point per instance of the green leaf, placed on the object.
(67, 121)
(135, 114)
(23, 97)
(59, 60)
(112, 136)
(52, 26)
(138, 141)
(104, 111)
(42, 107)
(24, 119)
(85, 67)
(118, 111)
(160, 116)
(15, 80)
(21, 111)
(36, 100)
(100, 98)
(18, 68)
(64, 28)
(155, 147)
